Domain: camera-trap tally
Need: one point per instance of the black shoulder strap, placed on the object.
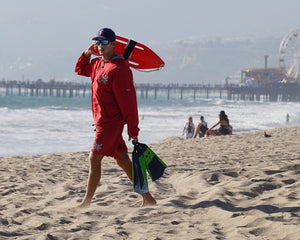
(129, 48)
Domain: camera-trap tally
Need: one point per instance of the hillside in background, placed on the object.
(211, 61)
(187, 61)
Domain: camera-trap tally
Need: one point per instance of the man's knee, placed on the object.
(123, 158)
(95, 161)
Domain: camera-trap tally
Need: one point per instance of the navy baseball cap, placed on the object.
(105, 33)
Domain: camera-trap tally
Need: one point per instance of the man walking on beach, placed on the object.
(114, 104)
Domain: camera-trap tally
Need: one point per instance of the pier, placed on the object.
(277, 92)
(272, 93)
(40, 88)
(180, 90)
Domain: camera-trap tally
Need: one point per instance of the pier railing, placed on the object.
(272, 92)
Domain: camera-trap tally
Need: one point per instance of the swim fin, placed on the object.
(143, 158)
(139, 175)
(154, 165)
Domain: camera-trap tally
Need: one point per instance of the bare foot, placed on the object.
(80, 206)
(148, 200)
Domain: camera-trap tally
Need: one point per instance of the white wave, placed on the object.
(68, 129)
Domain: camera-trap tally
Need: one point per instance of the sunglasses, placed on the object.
(102, 42)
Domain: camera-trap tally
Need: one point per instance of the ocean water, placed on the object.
(42, 125)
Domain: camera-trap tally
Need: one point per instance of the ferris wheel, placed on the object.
(289, 56)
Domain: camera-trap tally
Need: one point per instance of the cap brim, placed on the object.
(99, 38)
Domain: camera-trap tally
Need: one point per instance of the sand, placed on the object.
(238, 187)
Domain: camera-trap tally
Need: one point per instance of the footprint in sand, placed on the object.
(265, 187)
(289, 181)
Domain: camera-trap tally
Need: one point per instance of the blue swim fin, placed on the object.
(139, 175)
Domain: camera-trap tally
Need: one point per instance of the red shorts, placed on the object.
(109, 141)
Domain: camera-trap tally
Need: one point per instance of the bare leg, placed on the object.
(211, 132)
(93, 180)
(197, 131)
(124, 162)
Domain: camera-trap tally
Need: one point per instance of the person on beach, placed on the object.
(114, 104)
(189, 129)
(224, 129)
(201, 128)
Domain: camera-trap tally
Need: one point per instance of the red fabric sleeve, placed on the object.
(83, 67)
(125, 94)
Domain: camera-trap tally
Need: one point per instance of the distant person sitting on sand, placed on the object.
(189, 129)
(201, 128)
(224, 129)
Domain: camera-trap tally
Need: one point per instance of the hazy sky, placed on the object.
(59, 22)
(39, 27)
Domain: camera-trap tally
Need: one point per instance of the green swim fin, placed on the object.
(154, 165)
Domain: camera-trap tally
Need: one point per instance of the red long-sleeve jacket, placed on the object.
(113, 93)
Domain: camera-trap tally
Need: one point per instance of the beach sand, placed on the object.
(238, 187)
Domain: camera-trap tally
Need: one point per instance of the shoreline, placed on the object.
(129, 144)
(236, 187)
